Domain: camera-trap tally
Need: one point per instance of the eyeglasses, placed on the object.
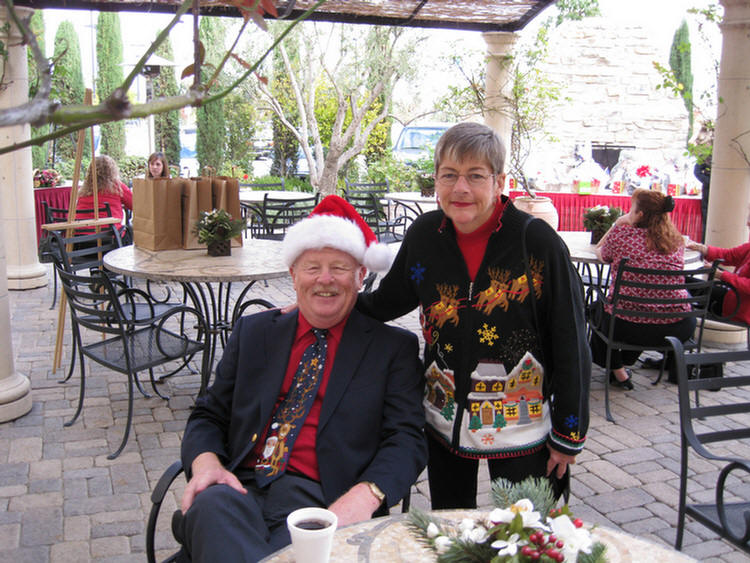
(474, 179)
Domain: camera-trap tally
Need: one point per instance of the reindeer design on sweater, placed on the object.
(496, 295)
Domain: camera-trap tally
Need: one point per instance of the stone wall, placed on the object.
(609, 92)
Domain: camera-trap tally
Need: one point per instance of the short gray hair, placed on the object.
(473, 140)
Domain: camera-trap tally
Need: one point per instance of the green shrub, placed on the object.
(401, 176)
(131, 167)
(267, 180)
(298, 185)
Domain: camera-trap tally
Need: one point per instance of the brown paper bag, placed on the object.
(157, 213)
(196, 197)
(226, 196)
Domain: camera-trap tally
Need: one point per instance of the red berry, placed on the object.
(526, 550)
(559, 544)
(578, 522)
(535, 555)
(560, 557)
(552, 538)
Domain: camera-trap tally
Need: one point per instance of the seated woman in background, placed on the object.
(158, 167)
(723, 300)
(647, 237)
(109, 187)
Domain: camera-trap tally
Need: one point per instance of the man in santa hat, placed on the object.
(320, 406)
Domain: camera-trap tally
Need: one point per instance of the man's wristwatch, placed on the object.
(375, 490)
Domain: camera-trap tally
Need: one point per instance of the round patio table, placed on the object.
(197, 272)
(390, 540)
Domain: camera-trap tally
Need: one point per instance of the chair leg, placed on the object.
(54, 291)
(683, 493)
(73, 350)
(607, 368)
(113, 455)
(153, 385)
(661, 369)
(82, 387)
(140, 387)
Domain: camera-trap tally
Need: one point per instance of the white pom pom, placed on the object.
(378, 257)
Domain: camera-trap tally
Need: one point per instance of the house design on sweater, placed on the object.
(441, 390)
(498, 398)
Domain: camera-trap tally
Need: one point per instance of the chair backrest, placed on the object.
(83, 251)
(368, 205)
(687, 366)
(93, 302)
(59, 215)
(280, 214)
(379, 187)
(648, 293)
(265, 186)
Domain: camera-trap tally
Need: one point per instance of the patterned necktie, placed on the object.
(291, 414)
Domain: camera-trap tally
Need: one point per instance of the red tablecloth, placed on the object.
(55, 197)
(686, 215)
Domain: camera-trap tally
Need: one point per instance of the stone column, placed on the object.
(496, 115)
(15, 389)
(730, 167)
(17, 217)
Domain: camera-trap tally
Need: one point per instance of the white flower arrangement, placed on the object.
(513, 533)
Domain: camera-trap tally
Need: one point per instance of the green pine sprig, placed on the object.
(537, 490)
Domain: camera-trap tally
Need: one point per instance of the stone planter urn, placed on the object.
(539, 206)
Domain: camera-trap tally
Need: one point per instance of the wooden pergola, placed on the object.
(475, 15)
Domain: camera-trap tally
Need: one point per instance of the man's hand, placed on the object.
(355, 505)
(559, 460)
(207, 471)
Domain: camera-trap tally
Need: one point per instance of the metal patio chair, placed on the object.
(109, 328)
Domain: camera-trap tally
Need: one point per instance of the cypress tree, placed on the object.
(167, 125)
(679, 62)
(211, 134)
(109, 77)
(285, 145)
(36, 25)
(67, 86)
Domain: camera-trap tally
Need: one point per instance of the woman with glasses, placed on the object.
(507, 362)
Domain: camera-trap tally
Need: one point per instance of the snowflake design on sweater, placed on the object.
(487, 334)
(571, 421)
(417, 273)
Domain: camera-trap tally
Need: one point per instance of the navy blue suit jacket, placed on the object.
(371, 421)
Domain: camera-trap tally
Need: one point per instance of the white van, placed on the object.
(414, 141)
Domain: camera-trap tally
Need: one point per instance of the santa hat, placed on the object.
(334, 223)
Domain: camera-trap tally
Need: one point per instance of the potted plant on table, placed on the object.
(216, 229)
(599, 219)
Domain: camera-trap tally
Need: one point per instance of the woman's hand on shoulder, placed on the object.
(692, 245)
(622, 220)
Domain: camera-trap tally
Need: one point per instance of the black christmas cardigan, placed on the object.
(500, 382)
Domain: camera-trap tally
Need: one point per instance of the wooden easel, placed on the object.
(71, 224)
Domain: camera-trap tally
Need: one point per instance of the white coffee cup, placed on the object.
(312, 532)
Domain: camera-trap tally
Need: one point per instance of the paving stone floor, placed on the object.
(61, 499)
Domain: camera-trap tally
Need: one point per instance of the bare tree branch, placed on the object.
(74, 117)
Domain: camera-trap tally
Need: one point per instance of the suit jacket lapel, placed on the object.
(279, 339)
(354, 341)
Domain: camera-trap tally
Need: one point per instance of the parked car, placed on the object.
(415, 141)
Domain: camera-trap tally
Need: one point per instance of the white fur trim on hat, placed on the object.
(321, 231)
